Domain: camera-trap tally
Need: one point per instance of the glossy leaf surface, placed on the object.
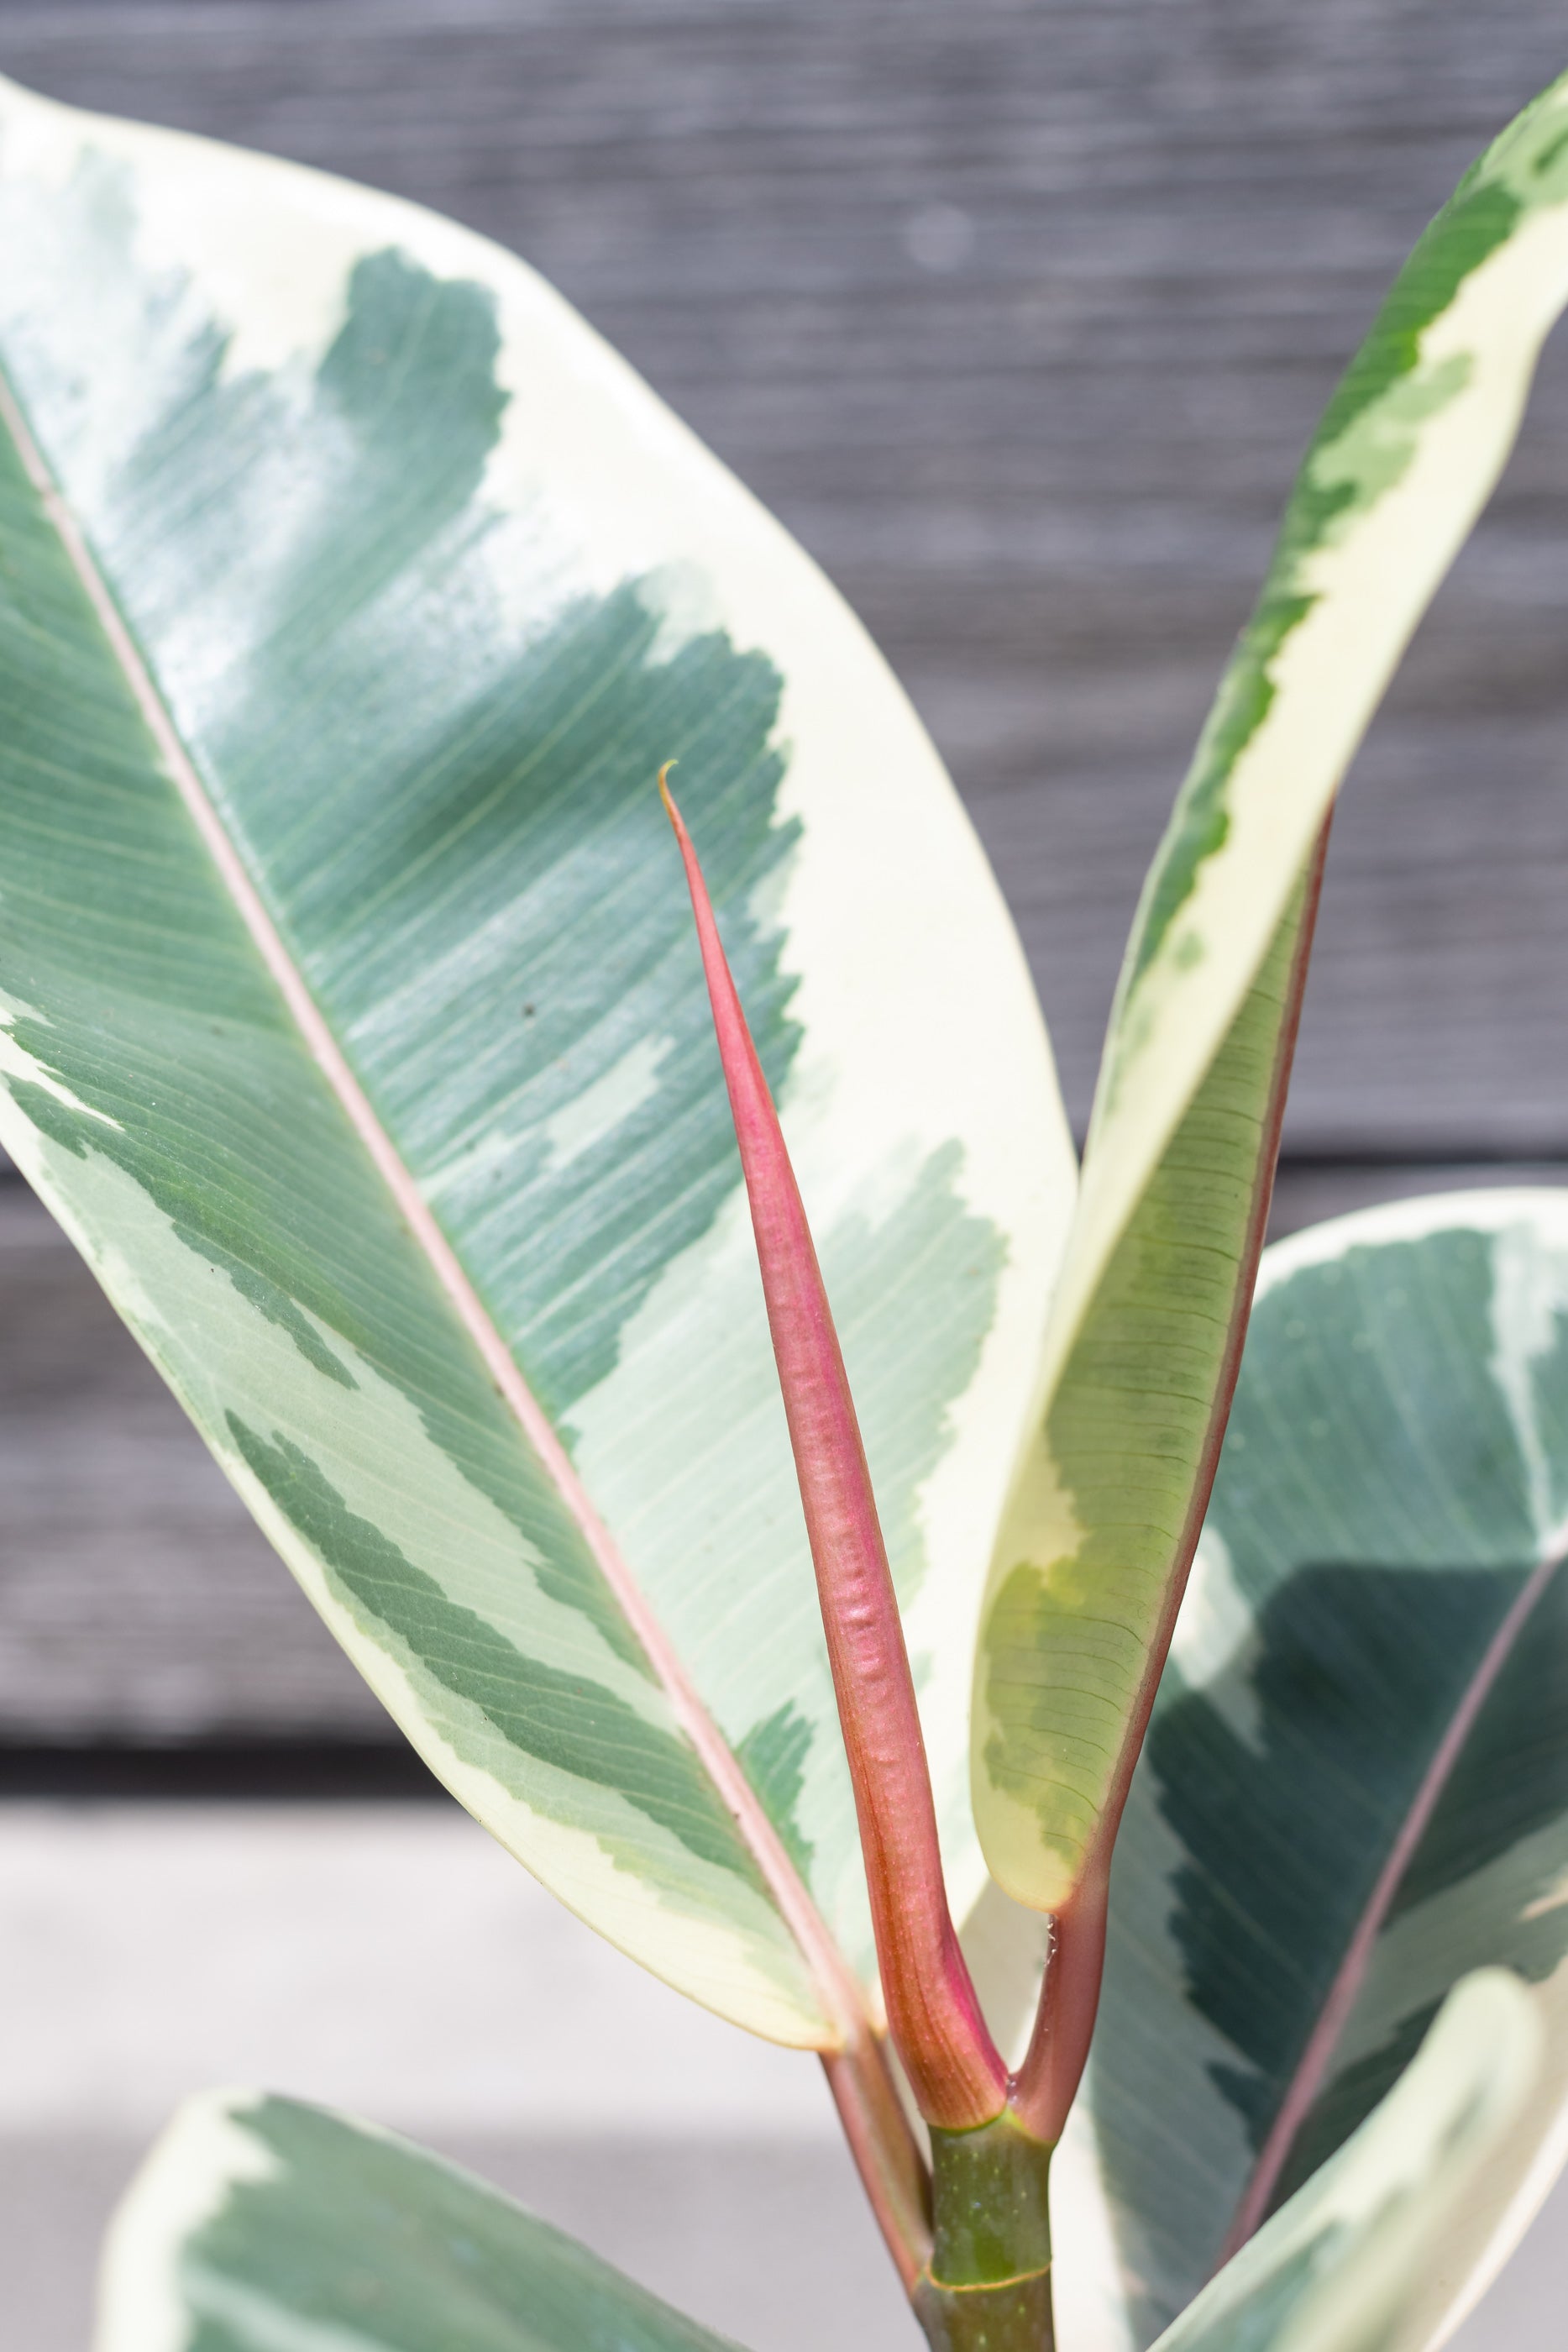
(1356, 1785)
(1349, 2265)
(260, 2224)
(1106, 1498)
(354, 592)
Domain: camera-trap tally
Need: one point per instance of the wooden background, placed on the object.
(1018, 312)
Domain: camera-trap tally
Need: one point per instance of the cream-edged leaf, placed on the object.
(260, 2224)
(1349, 2265)
(1152, 1302)
(1355, 1789)
(354, 591)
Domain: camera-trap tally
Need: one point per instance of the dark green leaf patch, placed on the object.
(1374, 1518)
(1356, 1677)
(357, 2232)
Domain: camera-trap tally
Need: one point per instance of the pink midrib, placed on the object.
(1313, 2065)
(842, 1997)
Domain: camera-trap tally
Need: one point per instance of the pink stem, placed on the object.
(1054, 2065)
(954, 2071)
(890, 2167)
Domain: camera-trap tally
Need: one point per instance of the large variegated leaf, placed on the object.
(1349, 2265)
(1356, 1784)
(1153, 1296)
(259, 2224)
(353, 593)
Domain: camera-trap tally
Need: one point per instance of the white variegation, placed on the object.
(260, 2225)
(1157, 2155)
(1405, 458)
(202, 2156)
(1354, 2261)
(920, 1030)
(1419, 464)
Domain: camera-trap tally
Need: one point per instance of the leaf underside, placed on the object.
(1107, 1492)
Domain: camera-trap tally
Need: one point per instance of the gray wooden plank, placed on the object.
(1019, 314)
(137, 1600)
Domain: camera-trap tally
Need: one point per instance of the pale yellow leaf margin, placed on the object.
(1405, 456)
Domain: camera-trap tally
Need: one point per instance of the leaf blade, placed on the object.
(1346, 2266)
(391, 534)
(261, 2219)
(1185, 1262)
(1406, 453)
(1395, 1470)
(1404, 459)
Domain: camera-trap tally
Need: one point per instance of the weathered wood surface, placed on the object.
(1019, 315)
(137, 1600)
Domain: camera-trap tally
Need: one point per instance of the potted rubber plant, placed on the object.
(1199, 1976)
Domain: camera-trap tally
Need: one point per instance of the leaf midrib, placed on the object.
(842, 1996)
(1317, 2053)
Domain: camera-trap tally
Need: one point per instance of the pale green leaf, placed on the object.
(1354, 1788)
(353, 593)
(1153, 1292)
(1107, 1501)
(259, 2224)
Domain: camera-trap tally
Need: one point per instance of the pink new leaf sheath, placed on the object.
(957, 2075)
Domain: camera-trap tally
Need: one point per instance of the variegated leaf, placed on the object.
(353, 593)
(1349, 2265)
(1153, 1296)
(259, 2224)
(1354, 1788)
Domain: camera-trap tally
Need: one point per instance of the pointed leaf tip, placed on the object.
(933, 2014)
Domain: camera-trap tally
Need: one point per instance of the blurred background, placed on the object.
(1018, 312)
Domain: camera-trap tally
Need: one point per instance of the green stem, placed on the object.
(987, 2285)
